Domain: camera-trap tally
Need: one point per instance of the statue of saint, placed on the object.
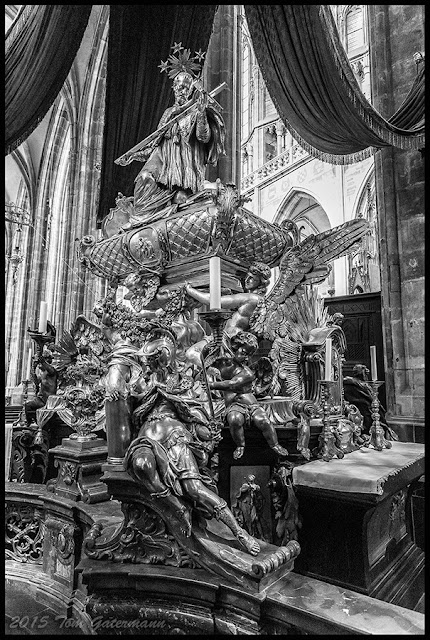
(189, 136)
(248, 508)
(242, 407)
(173, 444)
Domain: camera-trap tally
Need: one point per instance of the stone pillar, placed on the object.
(280, 132)
(396, 32)
(222, 66)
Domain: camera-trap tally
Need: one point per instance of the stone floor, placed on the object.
(24, 615)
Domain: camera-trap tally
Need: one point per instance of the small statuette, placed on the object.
(327, 447)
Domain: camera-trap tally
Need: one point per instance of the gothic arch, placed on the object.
(368, 181)
(300, 205)
(25, 166)
(342, 21)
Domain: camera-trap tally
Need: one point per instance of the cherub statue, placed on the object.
(243, 304)
(175, 437)
(304, 263)
(272, 315)
(242, 407)
(46, 377)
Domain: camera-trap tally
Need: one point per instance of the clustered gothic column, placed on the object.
(222, 66)
(396, 33)
(62, 203)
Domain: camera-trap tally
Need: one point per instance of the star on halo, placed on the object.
(200, 55)
(163, 66)
(177, 47)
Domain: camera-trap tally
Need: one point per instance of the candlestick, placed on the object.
(328, 349)
(377, 436)
(43, 316)
(27, 375)
(373, 368)
(216, 319)
(215, 282)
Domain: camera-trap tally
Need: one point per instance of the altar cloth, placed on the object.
(363, 471)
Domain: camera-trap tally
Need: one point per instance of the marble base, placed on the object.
(151, 533)
(79, 470)
(356, 522)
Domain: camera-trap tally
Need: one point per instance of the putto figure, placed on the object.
(244, 304)
(45, 377)
(242, 407)
(189, 136)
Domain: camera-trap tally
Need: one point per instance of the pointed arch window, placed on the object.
(354, 29)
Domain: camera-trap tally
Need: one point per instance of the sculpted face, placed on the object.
(241, 354)
(251, 281)
(181, 88)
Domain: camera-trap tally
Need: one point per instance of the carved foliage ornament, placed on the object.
(62, 539)
(24, 533)
(142, 539)
(84, 403)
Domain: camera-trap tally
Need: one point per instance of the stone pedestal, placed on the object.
(356, 522)
(79, 470)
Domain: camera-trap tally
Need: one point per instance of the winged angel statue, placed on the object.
(289, 311)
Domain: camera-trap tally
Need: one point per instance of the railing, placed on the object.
(289, 157)
(43, 548)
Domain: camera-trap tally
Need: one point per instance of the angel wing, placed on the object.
(304, 263)
(65, 352)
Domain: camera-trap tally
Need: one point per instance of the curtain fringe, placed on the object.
(16, 143)
(331, 158)
(383, 129)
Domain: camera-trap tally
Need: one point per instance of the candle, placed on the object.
(43, 316)
(27, 375)
(215, 283)
(373, 368)
(328, 346)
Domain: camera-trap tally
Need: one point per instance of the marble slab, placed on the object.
(331, 607)
(363, 471)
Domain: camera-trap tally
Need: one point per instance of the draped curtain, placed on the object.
(40, 45)
(313, 87)
(140, 37)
